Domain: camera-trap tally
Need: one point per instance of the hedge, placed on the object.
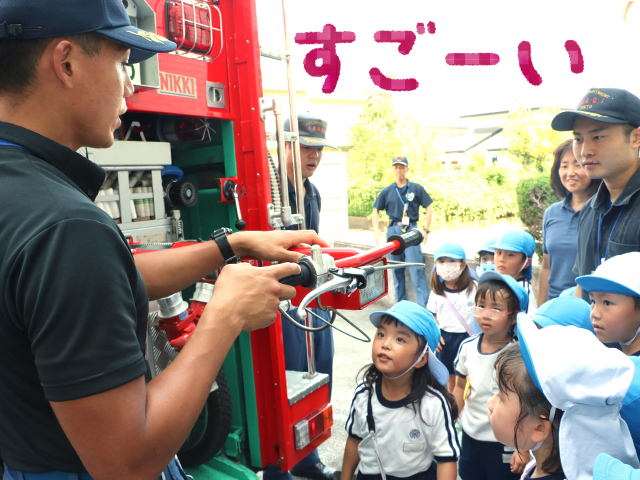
(534, 196)
(457, 196)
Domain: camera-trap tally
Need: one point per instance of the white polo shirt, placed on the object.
(477, 367)
(407, 444)
(462, 301)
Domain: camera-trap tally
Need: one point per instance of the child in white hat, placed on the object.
(614, 290)
(579, 377)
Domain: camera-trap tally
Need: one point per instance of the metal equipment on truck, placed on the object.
(191, 157)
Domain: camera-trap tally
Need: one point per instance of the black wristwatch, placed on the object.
(220, 237)
(426, 230)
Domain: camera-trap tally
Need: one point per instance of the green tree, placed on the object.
(380, 134)
(530, 137)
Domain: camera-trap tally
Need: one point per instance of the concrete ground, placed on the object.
(351, 355)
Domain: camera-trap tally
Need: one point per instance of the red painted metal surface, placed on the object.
(183, 92)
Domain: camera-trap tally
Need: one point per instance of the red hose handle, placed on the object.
(396, 245)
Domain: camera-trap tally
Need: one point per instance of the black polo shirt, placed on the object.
(392, 199)
(619, 229)
(73, 306)
(312, 206)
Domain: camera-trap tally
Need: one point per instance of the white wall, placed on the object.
(331, 180)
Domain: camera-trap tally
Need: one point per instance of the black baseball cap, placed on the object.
(312, 131)
(400, 160)
(608, 105)
(28, 19)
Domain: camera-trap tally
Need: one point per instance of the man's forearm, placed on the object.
(375, 219)
(427, 217)
(168, 271)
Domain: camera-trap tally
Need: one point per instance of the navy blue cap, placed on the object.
(608, 105)
(400, 160)
(29, 19)
(312, 131)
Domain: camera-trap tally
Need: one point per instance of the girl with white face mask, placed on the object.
(452, 293)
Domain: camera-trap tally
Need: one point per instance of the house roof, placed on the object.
(469, 140)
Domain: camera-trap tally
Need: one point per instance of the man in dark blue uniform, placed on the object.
(312, 133)
(74, 306)
(402, 201)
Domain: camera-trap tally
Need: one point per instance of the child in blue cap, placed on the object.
(452, 294)
(564, 311)
(513, 256)
(401, 416)
(498, 300)
(485, 261)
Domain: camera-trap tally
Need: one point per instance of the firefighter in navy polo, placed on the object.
(402, 201)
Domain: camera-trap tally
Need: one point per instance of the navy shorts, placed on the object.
(447, 355)
(485, 460)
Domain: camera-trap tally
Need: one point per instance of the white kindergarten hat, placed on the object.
(620, 274)
(588, 381)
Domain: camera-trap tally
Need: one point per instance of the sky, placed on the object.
(445, 92)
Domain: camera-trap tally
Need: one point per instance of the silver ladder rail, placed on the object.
(284, 216)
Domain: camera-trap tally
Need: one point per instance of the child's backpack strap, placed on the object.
(370, 421)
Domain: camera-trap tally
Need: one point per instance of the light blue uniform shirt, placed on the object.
(560, 242)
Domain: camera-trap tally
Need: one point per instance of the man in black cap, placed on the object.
(606, 140)
(402, 201)
(74, 304)
(312, 134)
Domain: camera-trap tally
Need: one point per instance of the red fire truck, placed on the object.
(191, 157)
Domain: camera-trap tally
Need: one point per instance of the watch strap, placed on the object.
(220, 237)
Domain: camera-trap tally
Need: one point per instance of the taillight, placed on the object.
(310, 428)
(190, 25)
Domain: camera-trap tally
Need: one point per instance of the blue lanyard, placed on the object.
(6, 143)
(400, 196)
(606, 253)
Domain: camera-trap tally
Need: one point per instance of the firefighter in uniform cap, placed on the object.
(402, 201)
(312, 134)
(73, 310)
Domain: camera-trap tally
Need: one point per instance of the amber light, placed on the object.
(312, 426)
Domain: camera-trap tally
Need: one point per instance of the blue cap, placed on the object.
(518, 241)
(28, 19)
(512, 284)
(608, 468)
(564, 311)
(451, 250)
(568, 292)
(488, 246)
(421, 321)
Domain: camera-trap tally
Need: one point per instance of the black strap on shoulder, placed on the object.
(370, 422)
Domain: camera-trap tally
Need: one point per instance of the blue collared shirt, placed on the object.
(559, 236)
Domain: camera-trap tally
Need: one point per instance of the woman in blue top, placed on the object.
(560, 222)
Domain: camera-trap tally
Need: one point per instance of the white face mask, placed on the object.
(485, 267)
(449, 271)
